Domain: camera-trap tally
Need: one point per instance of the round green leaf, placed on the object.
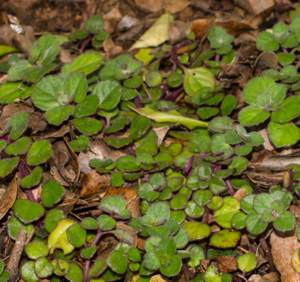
(246, 262)
(36, 249)
(252, 115)
(27, 211)
(196, 230)
(283, 135)
(285, 222)
(76, 235)
(225, 239)
(52, 193)
(39, 152)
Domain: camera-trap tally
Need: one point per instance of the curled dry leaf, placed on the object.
(111, 19)
(161, 133)
(283, 248)
(8, 198)
(93, 182)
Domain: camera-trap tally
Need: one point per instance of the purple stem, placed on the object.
(188, 166)
(5, 138)
(138, 102)
(230, 188)
(88, 262)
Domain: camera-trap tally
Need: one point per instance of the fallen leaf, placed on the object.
(271, 277)
(267, 144)
(283, 248)
(111, 19)
(8, 198)
(226, 263)
(256, 6)
(130, 195)
(93, 182)
(200, 26)
(98, 150)
(157, 278)
(157, 34)
(172, 6)
(161, 133)
(110, 48)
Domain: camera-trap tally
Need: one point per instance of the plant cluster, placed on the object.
(187, 180)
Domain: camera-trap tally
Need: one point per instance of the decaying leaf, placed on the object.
(93, 182)
(157, 34)
(8, 198)
(172, 6)
(283, 249)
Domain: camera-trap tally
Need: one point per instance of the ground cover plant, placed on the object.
(141, 165)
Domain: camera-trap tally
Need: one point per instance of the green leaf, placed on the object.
(264, 92)
(105, 222)
(14, 226)
(56, 116)
(252, 115)
(7, 165)
(228, 104)
(36, 249)
(127, 163)
(46, 48)
(117, 261)
(157, 214)
(28, 272)
(266, 41)
(97, 268)
(255, 224)
(76, 235)
(39, 152)
(87, 107)
(32, 179)
(225, 239)
(85, 63)
(224, 215)
(116, 206)
(28, 211)
(94, 24)
(18, 124)
(218, 37)
(199, 82)
(81, 143)
(43, 267)
(52, 193)
(238, 165)
(196, 230)
(109, 93)
(170, 116)
(220, 124)
(282, 135)
(170, 264)
(246, 262)
(5, 49)
(11, 92)
(19, 147)
(196, 255)
(75, 273)
(52, 218)
(285, 222)
(58, 239)
(87, 126)
(288, 110)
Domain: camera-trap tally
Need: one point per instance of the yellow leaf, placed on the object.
(58, 237)
(157, 34)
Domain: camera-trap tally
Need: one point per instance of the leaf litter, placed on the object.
(175, 159)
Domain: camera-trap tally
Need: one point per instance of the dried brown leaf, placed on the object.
(172, 6)
(8, 198)
(93, 183)
(282, 249)
(226, 263)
